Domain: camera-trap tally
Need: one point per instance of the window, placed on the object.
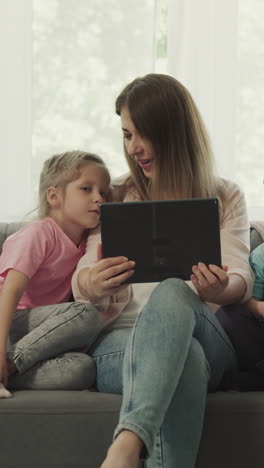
(60, 93)
(250, 104)
(84, 54)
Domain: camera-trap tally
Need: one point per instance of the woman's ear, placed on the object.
(54, 197)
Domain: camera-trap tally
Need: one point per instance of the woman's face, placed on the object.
(139, 148)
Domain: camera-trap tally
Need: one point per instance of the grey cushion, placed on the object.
(255, 239)
(52, 429)
(49, 429)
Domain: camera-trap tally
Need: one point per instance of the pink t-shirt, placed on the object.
(47, 256)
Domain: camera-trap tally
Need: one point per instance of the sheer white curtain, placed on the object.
(202, 54)
(15, 108)
(250, 108)
(216, 49)
(83, 54)
(65, 61)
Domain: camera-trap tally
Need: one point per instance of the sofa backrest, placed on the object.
(255, 239)
(6, 229)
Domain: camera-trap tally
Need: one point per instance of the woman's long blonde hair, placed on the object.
(163, 111)
(61, 169)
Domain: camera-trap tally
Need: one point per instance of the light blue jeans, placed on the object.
(44, 344)
(176, 351)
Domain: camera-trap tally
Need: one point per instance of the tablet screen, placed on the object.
(164, 238)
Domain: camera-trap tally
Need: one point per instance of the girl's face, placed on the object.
(83, 195)
(139, 148)
(77, 206)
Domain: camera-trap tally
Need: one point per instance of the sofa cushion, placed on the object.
(54, 429)
(66, 429)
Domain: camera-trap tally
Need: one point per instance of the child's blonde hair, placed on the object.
(61, 169)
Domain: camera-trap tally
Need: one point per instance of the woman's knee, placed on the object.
(173, 300)
(175, 290)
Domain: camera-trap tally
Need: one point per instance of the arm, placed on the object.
(255, 306)
(13, 288)
(105, 277)
(232, 283)
(110, 299)
(213, 284)
(80, 279)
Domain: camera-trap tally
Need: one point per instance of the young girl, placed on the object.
(36, 267)
(244, 325)
(175, 349)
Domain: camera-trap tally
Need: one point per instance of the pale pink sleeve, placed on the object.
(86, 261)
(113, 305)
(89, 259)
(235, 237)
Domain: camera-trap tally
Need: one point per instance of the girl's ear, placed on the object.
(54, 197)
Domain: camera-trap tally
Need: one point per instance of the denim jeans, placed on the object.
(246, 333)
(44, 343)
(176, 351)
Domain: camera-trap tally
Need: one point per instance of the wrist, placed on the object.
(89, 293)
(260, 308)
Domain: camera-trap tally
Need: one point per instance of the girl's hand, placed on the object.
(105, 278)
(260, 309)
(3, 369)
(255, 306)
(210, 282)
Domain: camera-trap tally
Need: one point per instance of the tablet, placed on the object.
(164, 238)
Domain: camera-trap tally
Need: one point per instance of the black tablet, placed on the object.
(164, 238)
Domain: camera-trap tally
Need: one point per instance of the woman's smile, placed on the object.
(145, 164)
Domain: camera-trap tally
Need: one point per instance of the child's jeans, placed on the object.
(45, 344)
(246, 333)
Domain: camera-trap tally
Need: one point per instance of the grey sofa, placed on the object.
(72, 429)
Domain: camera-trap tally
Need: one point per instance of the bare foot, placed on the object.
(124, 451)
(4, 393)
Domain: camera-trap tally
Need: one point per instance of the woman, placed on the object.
(176, 348)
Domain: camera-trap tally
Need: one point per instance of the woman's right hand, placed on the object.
(105, 278)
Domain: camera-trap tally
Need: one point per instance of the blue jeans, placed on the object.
(44, 343)
(176, 351)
